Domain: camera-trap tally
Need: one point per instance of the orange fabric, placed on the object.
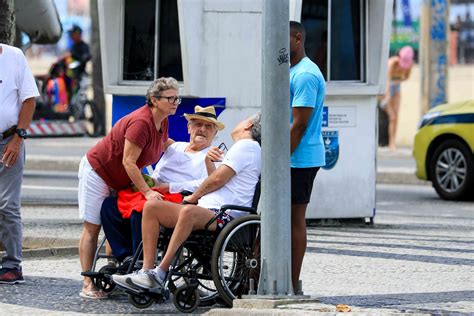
(129, 201)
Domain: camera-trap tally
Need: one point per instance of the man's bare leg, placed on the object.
(156, 213)
(190, 218)
(298, 241)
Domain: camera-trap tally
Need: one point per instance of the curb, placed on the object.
(400, 178)
(50, 252)
(45, 162)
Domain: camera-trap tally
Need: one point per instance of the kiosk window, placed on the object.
(148, 22)
(343, 59)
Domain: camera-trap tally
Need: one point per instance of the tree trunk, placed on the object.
(97, 82)
(7, 22)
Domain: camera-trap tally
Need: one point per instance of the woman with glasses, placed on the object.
(137, 140)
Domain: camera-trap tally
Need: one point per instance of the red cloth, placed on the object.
(129, 201)
(139, 128)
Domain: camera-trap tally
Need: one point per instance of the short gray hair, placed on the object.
(159, 85)
(256, 127)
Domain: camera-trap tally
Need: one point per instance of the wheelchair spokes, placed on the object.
(236, 258)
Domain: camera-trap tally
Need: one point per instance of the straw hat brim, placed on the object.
(220, 126)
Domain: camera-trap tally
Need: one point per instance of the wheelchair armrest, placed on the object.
(226, 207)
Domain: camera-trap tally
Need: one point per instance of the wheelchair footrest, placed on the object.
(92, 274)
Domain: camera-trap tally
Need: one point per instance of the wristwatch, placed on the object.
(21, 132)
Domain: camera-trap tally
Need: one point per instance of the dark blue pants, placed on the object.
(123, 235)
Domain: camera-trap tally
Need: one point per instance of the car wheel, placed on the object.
(452, 170)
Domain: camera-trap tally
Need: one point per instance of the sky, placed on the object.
(455, 10)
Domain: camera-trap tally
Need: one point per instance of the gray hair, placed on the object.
(256, 127)
(159, 85)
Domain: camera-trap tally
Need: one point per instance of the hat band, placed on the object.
(206, 115)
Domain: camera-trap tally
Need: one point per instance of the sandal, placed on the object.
(92, 294)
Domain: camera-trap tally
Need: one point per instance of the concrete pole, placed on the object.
(434, 53)
(275, 277)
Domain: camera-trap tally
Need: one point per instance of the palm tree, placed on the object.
(7, 22)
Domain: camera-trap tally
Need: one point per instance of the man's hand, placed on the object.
(190, 199)
(11, 152)
(214, 154)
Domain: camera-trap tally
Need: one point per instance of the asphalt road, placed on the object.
(49, 187)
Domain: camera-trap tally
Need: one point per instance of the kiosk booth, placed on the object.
(213, 48)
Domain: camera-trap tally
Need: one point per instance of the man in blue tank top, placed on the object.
(307, 90)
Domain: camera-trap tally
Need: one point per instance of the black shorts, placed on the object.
(302, 180)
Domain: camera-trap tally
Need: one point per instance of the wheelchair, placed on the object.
(208, 268)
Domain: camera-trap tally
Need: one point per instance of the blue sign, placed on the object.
(331, 148)
(325, 117)
(178, 131)
(406, 12)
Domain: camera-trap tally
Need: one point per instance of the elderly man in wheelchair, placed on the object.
(183, 166)
(233, 183)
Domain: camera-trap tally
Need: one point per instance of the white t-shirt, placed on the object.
(245, 158)
(16, 85)
(182, 170)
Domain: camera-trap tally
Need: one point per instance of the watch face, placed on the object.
(21, 132)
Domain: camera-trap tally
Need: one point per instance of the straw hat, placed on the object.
(207, 114)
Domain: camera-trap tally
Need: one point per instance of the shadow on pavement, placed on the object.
(62, 295)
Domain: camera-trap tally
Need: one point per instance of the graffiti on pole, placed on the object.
(440, 93)
(439, 47)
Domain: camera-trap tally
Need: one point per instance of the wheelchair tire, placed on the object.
(186, 299)
(105, 283)
(236, 258)
(140, 301)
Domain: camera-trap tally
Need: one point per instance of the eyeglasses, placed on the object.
(172, 100)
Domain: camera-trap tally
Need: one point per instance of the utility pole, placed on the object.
(275, 276)
(7, 22)
(434, 53)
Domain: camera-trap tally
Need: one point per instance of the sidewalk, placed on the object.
(58, 154)
(410, 262)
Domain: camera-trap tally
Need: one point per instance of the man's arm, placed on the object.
(131, 153)
(215, 181)
(301, 116)
(12, 149)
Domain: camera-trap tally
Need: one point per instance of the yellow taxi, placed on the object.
(444, 147)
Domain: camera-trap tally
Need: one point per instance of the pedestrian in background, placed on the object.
(399, 69)
(307, 90)
(137, 140)
(17, 104)
(79, 51)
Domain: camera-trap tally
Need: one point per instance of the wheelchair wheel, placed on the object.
(185, 262)
(105, 283)
(236, 258)
(140, 301)
(186, 299)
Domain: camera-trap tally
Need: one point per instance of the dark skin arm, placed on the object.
(11, 151)
(301, 116)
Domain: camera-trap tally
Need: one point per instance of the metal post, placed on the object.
(434, 53)
(275, 278)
